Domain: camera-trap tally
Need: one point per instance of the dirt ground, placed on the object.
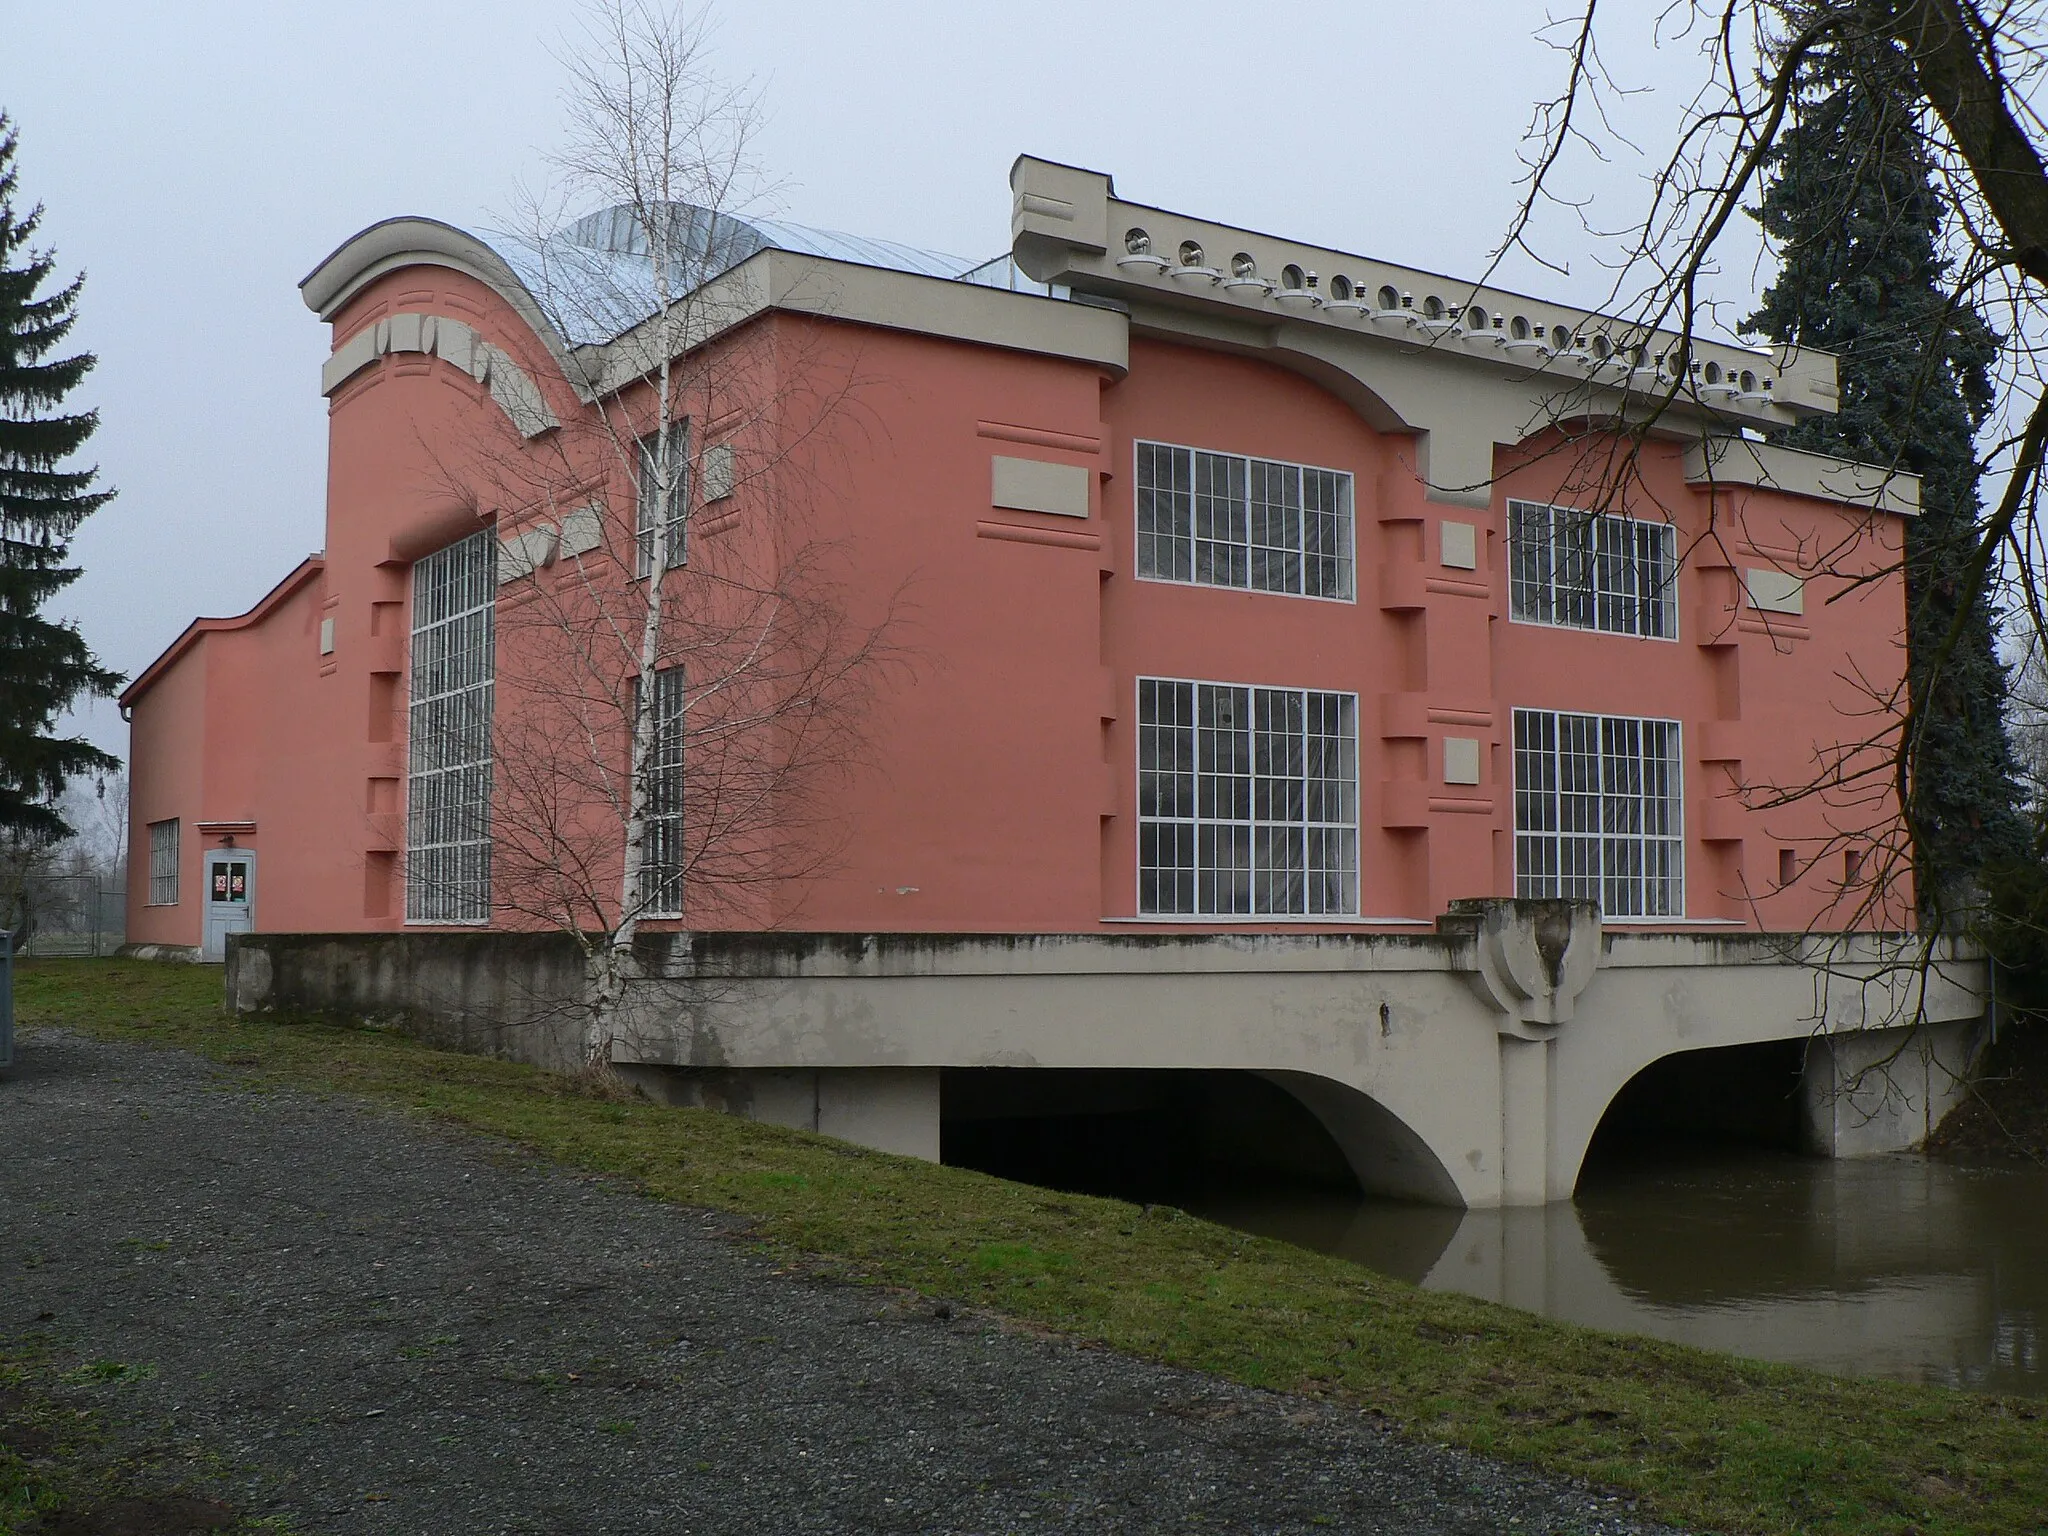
(2007, 1113)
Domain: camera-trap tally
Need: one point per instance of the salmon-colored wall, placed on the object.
(166, 747)
(997, 786)
(232, 730)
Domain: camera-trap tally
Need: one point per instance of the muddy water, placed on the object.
(1895, 1267)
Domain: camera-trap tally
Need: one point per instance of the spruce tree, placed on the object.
(1852, 204)
(45, 666)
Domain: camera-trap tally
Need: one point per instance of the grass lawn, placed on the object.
(1704, 1440)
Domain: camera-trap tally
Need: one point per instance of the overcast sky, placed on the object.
(197, 160)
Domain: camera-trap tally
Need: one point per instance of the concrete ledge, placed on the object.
(1469, 1066)
(515, 995)
(182, 954)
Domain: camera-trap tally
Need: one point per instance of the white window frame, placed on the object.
(661, 840)
(165, 838)
(1232, 538)
(1211, 822)
(1600, 811)
(451, 681)
(651, 527)
(1598, 585)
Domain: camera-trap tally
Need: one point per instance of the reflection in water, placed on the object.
(1886, 1266)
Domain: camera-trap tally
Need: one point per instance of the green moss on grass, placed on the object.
(1702, 1439)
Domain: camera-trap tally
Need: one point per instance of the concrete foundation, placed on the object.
(1467, 1067)
(892, 1109)
(1881, 1090)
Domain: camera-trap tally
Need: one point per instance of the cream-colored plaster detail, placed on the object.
(1050, 207)
(457, 344)
(1462, 393)
(1060, 208)
(903, 301)
(1535, 958)
(582, 531)
(395, 244)
(516, 393)
(718, 472)
(1743, 461)
(1458, 547)
(1461, 760)
(327, 637)
(1773, 591)
(349, 359)
(1038, 485)
(523, 553)
(1085, 250)
(403, 334)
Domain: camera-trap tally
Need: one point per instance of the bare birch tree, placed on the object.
(681, 667)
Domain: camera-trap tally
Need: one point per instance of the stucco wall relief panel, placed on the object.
(454, 342)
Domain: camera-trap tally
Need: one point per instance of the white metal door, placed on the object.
(230, 899)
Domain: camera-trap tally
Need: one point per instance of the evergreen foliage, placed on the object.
(1853, 205)
(44, 666)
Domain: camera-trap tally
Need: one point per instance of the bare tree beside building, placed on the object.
(679, 673)
(1950, 80)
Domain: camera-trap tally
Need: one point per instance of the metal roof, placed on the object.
(597, 280)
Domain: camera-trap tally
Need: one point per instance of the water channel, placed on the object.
(1897, 1266)
(1900, 1266)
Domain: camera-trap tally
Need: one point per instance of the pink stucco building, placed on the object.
(1244, 585)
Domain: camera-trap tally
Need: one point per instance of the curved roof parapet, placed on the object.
(595, 280)
(410, 241)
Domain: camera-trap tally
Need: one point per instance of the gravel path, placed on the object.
(387, 1327)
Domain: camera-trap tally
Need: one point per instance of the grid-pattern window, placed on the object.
(1599, 811)
(1584, 570)
(163, 863)
(662, 521)
(661, 848)
(1247, 800)
(448, 780)
(1221, 520)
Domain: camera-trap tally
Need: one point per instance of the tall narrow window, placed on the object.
(1247, 800)
(662, 493)
(1599, 811)
(1220, 520)
(163, 863)
(448, 775)
(661, 849)
(1582, 570)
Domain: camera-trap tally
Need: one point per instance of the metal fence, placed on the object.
(73, 915)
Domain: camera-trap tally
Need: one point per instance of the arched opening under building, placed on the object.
(1698, 1104)
(1169, 1136)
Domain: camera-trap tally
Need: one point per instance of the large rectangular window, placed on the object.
(662, 520)
(1599, 811)
(448, 775)
(1247, 800)
(163, 863)
(1221, 520)
(661, 848)
(1584, 570)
